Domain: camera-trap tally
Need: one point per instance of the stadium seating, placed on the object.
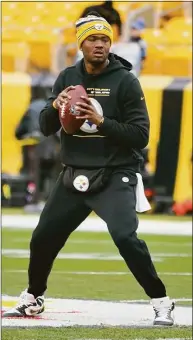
(44, 24)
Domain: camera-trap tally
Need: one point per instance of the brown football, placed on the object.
(68, 113)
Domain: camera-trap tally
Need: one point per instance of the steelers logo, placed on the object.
(89, 127)
(99, 27)
(81, 183)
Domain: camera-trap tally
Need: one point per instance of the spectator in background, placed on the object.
(135, 36)
(133, 50)
(39, 153)
(108, 12)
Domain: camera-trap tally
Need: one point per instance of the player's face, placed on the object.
(96, 48)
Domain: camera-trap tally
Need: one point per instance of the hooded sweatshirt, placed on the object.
(125, 130)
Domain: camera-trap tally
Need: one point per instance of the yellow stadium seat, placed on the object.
(15, 56)
(28, 20)
(15, 49)
(55, 20)
(68, 35)
(122, 8)
(179, 24)
(177, 61)
(9, 8)
(154, 36)
(15, 34)
(167, 5)
(153, 62)
(156, 44)
(40, 42)
(178, 38)
(8, 20)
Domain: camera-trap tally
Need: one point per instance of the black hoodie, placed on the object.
(125, 131)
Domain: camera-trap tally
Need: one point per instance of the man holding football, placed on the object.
(101, 168)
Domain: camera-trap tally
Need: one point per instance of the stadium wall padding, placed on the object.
(183, 186)
(169, 102)
(169, 143)
(16, 93)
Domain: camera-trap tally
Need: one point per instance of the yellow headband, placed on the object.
(92, 25)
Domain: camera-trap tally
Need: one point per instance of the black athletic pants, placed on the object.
(63, 213)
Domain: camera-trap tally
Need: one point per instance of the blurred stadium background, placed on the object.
(38, 39)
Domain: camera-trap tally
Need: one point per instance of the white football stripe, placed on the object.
(23, 253)
(110, 242)
(95, 224)
(96, 256)
(59, 272)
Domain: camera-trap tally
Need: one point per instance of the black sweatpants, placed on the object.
(64, 212)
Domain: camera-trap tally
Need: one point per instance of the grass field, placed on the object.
(89, 267)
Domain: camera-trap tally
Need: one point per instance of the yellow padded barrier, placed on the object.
(183, 188)
(16, 94)
(153, 87)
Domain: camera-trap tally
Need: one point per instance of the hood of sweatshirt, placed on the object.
(115, 63)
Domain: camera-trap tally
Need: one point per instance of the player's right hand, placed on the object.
(62, 97)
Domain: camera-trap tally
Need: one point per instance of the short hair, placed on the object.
(96, 14)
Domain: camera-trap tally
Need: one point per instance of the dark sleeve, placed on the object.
(133, 131)
(49, 117)
(23, 127)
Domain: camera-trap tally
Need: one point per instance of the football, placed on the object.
(68, 113)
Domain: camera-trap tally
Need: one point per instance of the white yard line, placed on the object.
(59, 272)
(158, 257)
(66, 312)
(98, 225)
(50, 300)
(109, 242)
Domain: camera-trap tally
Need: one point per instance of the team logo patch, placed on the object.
(81, 183)
(99, 27)
(88, 126)
(125, 179)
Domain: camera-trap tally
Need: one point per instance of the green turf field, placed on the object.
(172, 254)
(95, 334)
(95, 276)
(89, 267)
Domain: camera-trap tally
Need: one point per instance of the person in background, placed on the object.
(136, 37)
(39, 153)
(108, 12)
(132, 50)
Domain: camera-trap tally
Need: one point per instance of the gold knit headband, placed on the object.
(92, 25)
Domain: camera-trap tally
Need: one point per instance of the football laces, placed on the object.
(63, 110)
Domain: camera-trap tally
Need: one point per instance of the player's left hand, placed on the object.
(88, 111)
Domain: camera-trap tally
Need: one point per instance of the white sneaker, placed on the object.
(27, 306)
(163, 308)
